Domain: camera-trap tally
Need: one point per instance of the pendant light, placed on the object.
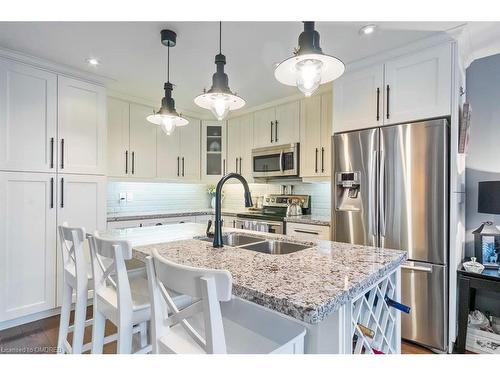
(167, 117)
(309, 67)
(219, 99)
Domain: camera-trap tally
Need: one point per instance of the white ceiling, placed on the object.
(133, 57)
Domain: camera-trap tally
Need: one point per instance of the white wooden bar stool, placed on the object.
(118, 296)
(215, 322)
(75, 278)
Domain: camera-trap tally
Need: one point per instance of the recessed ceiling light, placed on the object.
(367, 30)
(92, 61)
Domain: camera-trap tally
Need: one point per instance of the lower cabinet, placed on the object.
(31, 207)
(27, 243)
(308, 232)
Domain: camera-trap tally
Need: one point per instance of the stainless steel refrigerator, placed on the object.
(390, 189)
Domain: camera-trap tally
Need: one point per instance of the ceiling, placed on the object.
(133, 57)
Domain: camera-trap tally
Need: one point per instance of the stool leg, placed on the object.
(79, 322)
(125, 338)
(98, 326)
(64, 318)
(143, 334)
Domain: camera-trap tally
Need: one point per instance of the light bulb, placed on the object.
(220, 106)
(167, 124)
(308, 76)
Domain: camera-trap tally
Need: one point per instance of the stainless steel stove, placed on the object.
(271, 218)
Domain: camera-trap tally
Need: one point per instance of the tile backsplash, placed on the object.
(177, 197)
(156, 197)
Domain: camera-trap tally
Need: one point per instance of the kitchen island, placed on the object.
(335, 290)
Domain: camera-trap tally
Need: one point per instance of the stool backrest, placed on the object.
(109, 270)
(207, 287)
(74, 262)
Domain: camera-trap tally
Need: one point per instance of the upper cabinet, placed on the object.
(418, 86)
(239, 145)
(358, 99)
(118, 137)
(315, 135)
(213, 150)
(277, 125)
(412, 87)
(178, 154)
(28, 118)
(142, 142)
(82, 127)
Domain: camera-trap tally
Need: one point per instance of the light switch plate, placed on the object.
(130, 196)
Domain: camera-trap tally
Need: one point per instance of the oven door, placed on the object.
(275, 161)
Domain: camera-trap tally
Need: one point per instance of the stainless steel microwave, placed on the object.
(276, 161)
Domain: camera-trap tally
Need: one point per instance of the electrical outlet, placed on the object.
(130, 196)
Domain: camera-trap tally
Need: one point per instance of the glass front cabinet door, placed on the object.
(214, 163)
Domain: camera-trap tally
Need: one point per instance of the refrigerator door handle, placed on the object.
(373, 196)
(416, 268)
(382, 193)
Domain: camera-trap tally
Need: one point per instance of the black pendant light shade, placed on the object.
(167, 117)
(309, 67)
(219, 99)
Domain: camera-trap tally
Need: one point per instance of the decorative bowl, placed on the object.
(473, 266)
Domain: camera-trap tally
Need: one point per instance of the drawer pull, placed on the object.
(306, 232)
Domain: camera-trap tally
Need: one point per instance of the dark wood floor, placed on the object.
(40, 337)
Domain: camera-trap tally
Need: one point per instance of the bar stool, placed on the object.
(118, 296)
(215, 322)
(78, 278)
(75, 278)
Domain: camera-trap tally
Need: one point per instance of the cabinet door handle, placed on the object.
(52, 192)
(306, 232)
(316, 161)
(62, 153)
(236, 165)
(52, 152)
(126, 162)
(178, 168)
(388, 91)
(133, 162)
(272, 131)
(240, 164)
(378, 103)
(224, 167)
(322, 159)
(276, 131)
(183, 166)
(62, 192)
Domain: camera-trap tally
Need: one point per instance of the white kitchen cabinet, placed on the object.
(178, 154)
(287, 123)
(358, 99)
(81, 202)
(27, 243)
(213, 150)
(277, 125)
(118, 153)
(190, 141)
(81, 126)
(411, 87)
(263, 127)
(142, 142)
(308, 232)
(28, 118)
(239, 145)
(418, 85)
(315, 136)
(228, 221)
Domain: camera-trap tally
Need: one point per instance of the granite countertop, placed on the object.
(307, 285)
(162, 215)
(310, 219)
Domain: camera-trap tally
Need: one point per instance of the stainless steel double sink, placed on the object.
(261, 245)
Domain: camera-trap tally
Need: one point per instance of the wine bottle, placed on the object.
(366, 331)
(397, 305)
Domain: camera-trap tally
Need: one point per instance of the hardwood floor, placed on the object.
(40, 337)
